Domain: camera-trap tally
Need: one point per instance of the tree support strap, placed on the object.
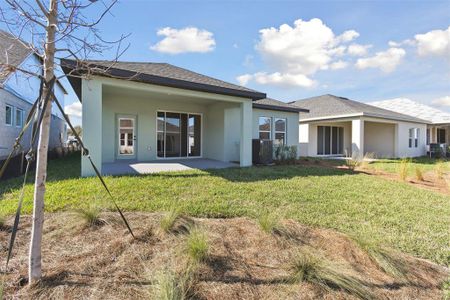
(30, 155)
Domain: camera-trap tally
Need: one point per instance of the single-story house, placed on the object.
(337, 126)
(438, 122)
(134, 111)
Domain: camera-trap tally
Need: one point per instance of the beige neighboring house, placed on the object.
(135, 112)
(337, 126)
(438, 121)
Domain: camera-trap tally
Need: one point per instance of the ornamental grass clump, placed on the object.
(387, 259)
(91, 216)
(419, 173)
(403, 169)
(439, 169)
(197, 244)
(308, 267)
(169, 285)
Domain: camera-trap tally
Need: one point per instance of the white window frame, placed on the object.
(21, 117)
(12, 114)
(413, 141)
(265, 131)
(277, 131)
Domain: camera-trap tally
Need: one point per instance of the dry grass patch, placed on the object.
(439, 169)
(242, 262)
(419, 173)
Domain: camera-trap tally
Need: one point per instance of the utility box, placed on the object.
(262, 152)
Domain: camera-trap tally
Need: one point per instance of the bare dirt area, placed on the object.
(243, 262)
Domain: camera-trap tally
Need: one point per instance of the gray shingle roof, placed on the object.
(12, 52)
(326, 106)
(272, 104)
(162, 74)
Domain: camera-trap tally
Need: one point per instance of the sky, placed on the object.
(362, 50)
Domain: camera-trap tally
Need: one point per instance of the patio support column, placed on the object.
(246, 134)
(358, 137)
(91, 94)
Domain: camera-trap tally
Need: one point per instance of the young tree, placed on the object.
(56, 30)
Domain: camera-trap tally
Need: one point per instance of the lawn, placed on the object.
(425, 163)
(409, 219)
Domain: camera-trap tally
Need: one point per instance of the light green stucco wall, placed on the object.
(228, 123)
(145, 109)
(292, 124)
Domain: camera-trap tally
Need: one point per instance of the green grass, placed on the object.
(425, 163)
(399, 215)
(171, 286)
(269, 221)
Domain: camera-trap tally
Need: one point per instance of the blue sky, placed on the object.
(281, 62)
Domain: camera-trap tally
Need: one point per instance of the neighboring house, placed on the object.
(438, 128)
(337, 126)
(17, 94)
(155, 111)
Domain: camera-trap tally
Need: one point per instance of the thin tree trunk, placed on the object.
(34, 271)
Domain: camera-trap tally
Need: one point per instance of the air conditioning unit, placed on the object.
(262, 152)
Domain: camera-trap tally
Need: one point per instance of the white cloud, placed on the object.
(294, 53)
(435, 43)
(443, 101)
(348, 36)
(358, 50)
(73, 110)
(244, 79)
(387, 61)
(189, 39)
(277, 79)
(340, 64)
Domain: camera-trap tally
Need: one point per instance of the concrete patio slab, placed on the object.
(134, 167)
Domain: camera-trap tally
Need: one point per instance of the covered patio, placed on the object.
(157, 166)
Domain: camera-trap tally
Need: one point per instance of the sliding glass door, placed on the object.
(330, 140)
(178, 135)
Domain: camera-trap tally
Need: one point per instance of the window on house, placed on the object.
(178, 134)
(330, 140)
(265, 128)
(413, 138)
(19, 117)
(9, 115)
(280, 131)
(441, 136)
(428, 136)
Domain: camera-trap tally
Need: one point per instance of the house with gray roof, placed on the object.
(136, 112)
(438, 127)
(18, 91)
(337, 126)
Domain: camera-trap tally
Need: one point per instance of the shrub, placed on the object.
(285, 154)
(439, 169)
(197, 245)
(366, 160)
(403, 169)
(269, 222)
(307, 267)
(419, 173)
(91, 216)
(169, 285)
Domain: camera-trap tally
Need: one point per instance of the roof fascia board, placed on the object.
(279, 108)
